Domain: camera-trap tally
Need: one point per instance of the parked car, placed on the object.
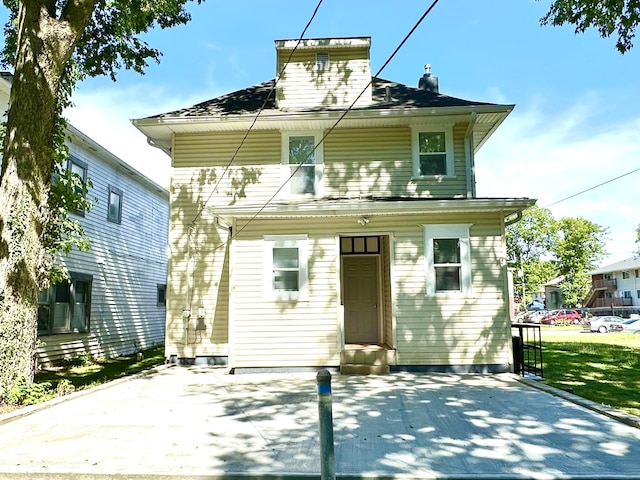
(608, 323)
(536, 315)
(554, 316)
(631, 326)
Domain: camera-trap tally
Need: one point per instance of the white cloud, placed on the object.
(551, 156)
(105, 115)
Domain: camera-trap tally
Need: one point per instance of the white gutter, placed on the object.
(470, 156)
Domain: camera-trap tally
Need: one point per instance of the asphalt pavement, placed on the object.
(199, 422)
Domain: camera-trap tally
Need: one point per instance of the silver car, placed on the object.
(608, 323)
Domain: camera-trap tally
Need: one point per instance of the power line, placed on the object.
(262, 107)
(593, 188)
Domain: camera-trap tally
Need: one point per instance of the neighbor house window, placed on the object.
(322, 61)
(80, 169)
(626, 294)
(161, 295)
(432, 152)
(115, 205)
(65, 307)
(448, 259)
(285, 267)
(638, 293)
(625, 275)
(302, 163)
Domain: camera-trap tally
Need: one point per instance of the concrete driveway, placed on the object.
(200, 423)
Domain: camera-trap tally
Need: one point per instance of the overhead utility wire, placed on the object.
(384, 65)
(262, 107)
(593, 188)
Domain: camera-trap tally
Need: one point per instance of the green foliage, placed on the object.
(544, 248)
(619, 18)
(638, 239)
(580, 244)
(25, 393)
(111, 41)
(529, 243)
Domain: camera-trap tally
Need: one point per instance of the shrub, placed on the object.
(23, 393)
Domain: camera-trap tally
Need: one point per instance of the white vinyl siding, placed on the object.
(126, 264)
(430, 330)
(348, 72)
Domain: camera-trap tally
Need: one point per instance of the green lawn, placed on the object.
(604, 368)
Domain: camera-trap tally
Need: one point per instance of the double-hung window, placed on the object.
(448, 259)
(432, 151)
(115, 205)
(302, 163)
(285, 267)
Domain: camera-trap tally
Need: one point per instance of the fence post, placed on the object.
(325, 417)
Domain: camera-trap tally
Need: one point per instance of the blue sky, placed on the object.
(576, 123)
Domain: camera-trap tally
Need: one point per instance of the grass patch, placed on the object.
(604, 368)
(79, 374)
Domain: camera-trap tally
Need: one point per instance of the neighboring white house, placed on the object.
(344, 232)
(616, 284)
(114, 303)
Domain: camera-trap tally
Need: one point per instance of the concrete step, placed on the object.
(368, 356)
(361, 369)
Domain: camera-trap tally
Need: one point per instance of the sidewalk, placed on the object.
(200, 423)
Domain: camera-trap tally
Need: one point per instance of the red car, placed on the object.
(554, 316)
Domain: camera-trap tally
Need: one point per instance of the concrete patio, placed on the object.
(198, 422)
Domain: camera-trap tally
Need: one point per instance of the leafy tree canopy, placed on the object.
(614, 17)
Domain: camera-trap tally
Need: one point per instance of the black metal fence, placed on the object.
(527, 349)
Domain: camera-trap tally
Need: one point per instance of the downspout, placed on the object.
(469, 157)
(230, 317)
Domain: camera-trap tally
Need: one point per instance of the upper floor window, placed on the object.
(448, 259)
(432, 151)
(322, 62)
(302, 162)
(285, 267)
(79, 168)
(115, 205)
(625, 275)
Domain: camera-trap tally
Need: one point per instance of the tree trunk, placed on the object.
(44, 46)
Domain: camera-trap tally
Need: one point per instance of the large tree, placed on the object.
(580, 245)
(51, 45)
(529, 245)
(614, 17)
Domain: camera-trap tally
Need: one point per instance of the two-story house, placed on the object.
(329, 218)
(615, 285)
(114, 301)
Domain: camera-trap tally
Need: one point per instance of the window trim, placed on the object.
(415, 152)
(73, 160)
(461, 232)
(319, 162)
(285, 241)
(120, 194)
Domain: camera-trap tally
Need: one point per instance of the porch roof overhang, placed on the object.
(371, 207)
(160, 130)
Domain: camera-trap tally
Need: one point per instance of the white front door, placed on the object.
(360, 295)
